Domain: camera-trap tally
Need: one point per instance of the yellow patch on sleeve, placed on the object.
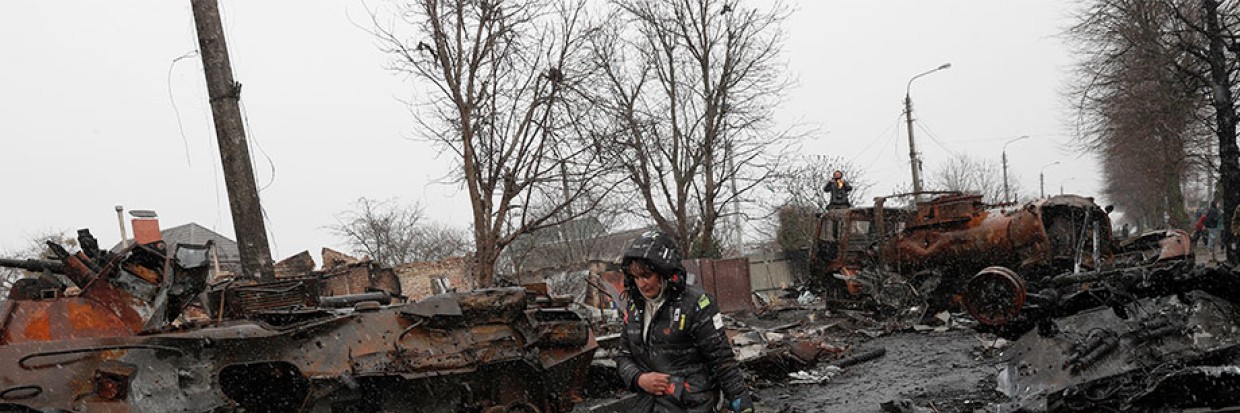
(703, 301)
(682, 322)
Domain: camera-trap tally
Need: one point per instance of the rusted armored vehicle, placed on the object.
(141, 330)
(953, 248)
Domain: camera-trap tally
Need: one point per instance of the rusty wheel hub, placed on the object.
(995, 296)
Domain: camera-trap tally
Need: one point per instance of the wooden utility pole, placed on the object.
(247, 213)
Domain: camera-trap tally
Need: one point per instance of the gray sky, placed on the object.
(88, 119)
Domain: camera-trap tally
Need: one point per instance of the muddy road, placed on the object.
(946, 369)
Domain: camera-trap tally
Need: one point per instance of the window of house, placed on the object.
(440, 284)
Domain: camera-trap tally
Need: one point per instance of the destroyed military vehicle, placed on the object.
(1147, 339)
(955, 249)
(142, 330)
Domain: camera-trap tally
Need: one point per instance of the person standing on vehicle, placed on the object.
(839, 189)
(673, 351)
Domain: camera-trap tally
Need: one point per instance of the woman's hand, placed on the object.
(654, 383)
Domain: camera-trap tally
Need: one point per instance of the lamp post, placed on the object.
(908, 115)
(1042, 178)
(1007, 196)
(1064, 182)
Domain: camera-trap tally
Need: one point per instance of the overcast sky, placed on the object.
(98, 108)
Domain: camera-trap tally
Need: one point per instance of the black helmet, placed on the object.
(656, 248)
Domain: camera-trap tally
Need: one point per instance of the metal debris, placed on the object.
(1174, 350)
(121, 345)
(926, 257)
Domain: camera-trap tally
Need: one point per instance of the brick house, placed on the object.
(419, 280)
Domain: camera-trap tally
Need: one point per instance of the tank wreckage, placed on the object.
(953, 249)
(1097, 323)
(142, 330)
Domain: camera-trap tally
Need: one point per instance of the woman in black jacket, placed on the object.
(674, 352)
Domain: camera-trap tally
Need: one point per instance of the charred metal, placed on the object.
(128, 332)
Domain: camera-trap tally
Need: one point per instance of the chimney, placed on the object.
(145, 226)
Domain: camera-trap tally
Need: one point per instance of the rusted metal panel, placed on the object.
(727, 280)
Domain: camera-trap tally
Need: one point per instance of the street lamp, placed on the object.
(1007, 197)
(1042, 178)
(1064, 182)
(908, 114)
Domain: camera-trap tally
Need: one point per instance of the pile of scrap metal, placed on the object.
(774, 353)
(927, 256)
(100, 331)
(1151, 339)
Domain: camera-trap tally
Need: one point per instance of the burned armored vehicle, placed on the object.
(1147, 339)
(954, 249)
(141, 330)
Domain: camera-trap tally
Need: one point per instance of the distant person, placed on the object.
(839, 189)
(673, 351)
(1213, 218)
(1199, 229)
(1235, 226)
(1199, 226)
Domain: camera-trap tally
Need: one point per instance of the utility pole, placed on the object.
(1042, 179)
(247, 213)
(737, 240)
(1042, 184)
(1007, 196)
(912, 145)
(908, 116)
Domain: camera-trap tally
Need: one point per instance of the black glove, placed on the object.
(743, 404)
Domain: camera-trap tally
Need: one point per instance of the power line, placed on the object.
(175, 109)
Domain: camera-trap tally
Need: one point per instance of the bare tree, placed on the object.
(1210, 39)
(1132, 98)
(506, 97)
(690, 88)
(1156, 80)
(965, 173)
(394, 234)
(570, 244)
(801, 182)
(795, 195)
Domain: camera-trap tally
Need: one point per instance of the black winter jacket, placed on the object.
(838, 191)
(687, 341)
